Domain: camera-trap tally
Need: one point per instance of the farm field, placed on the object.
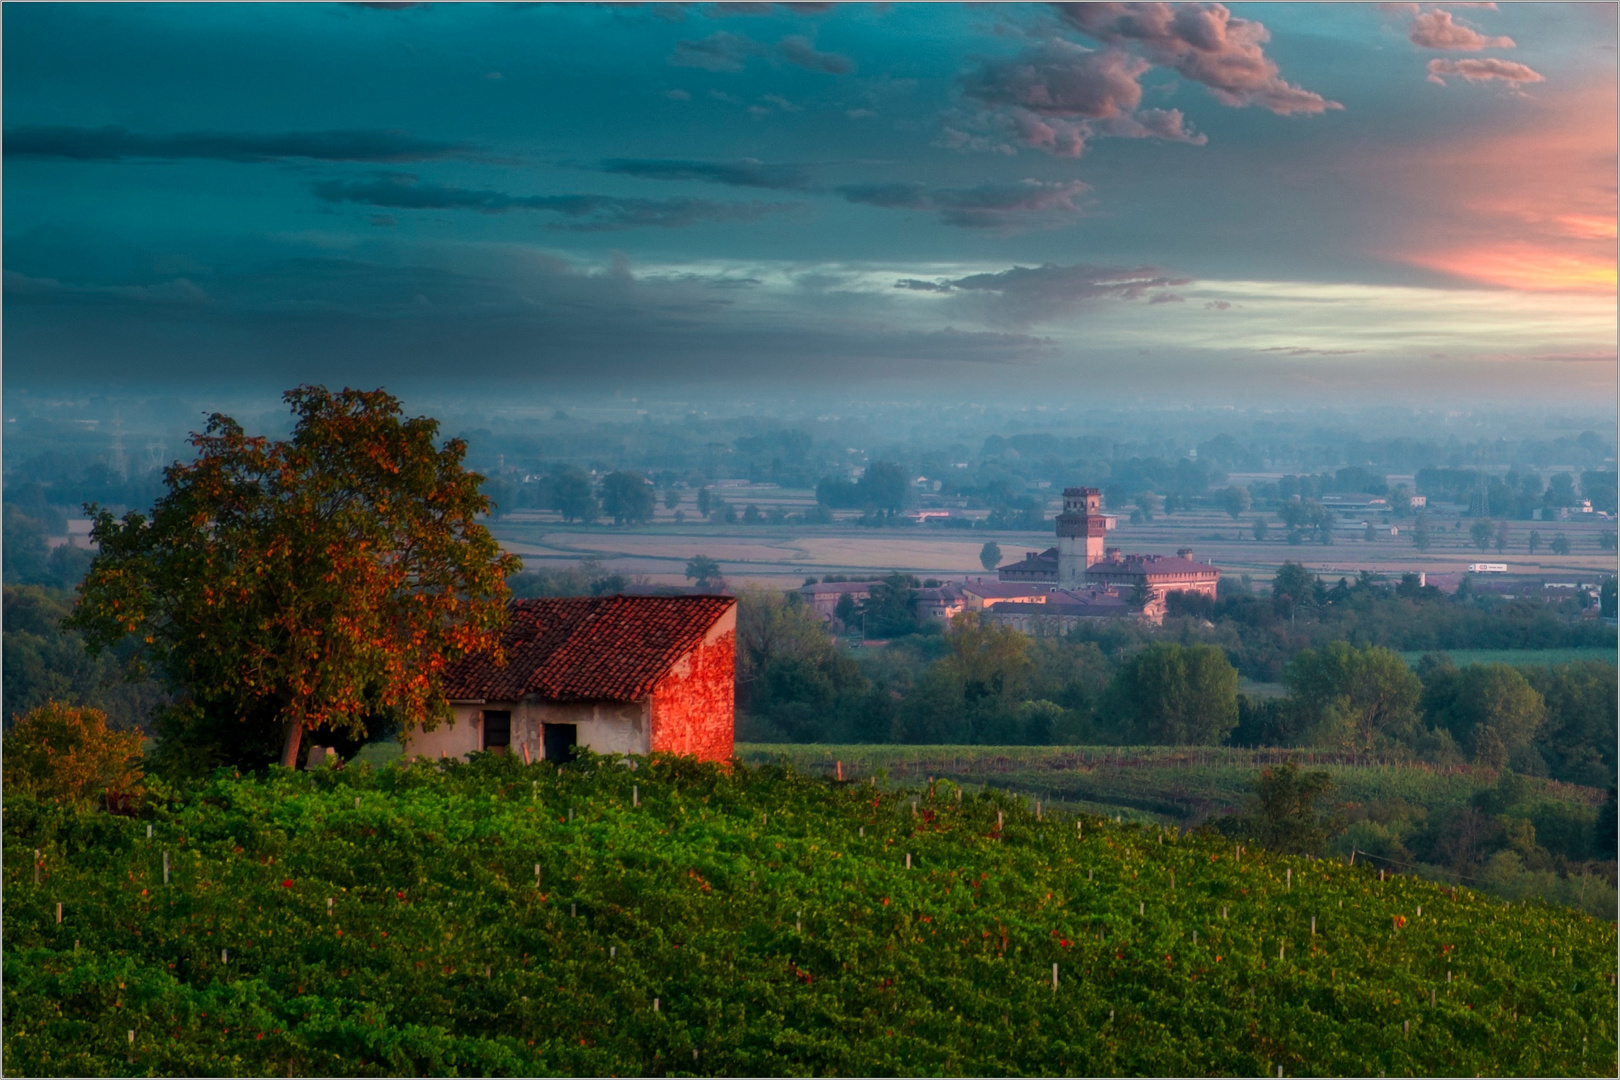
(1518, 657)
(1159, 784)
(783, 555)
(451, 919)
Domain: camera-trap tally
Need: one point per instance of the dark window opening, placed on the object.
(560, 741)
(497, 731)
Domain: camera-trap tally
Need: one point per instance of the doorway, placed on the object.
(560, 740)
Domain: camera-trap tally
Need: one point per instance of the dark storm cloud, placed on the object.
(341, 318)
(588, 213)
(797, 49)
(1030, 294)
(745, 173)
(1205, 43)
(120, 144)
(986, 206)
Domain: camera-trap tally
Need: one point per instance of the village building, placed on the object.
(823, 598)
(1062, 610)
(1081, 560)
(612, 674)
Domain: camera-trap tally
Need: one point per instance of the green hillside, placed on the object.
(761, 922)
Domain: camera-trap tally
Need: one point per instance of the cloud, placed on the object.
(677, 95)
(720, 51)
(1437, 30)
(798, 49)
(1060, 78)
(1058, 95)
(985, 206)
(183, 291)
(120, 144)
(585, 213)
(744, 173)
(1205, 44)
(1029, 294)
(1300, 350)
(1166, 298)
(1482, 70)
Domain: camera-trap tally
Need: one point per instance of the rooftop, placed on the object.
(601, 648)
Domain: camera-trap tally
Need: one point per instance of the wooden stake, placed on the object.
(165, 868)
(655, 1004)
(908, 860)
(573, 909)
(224, 957)
(840, 772)
(1313, 926)
(635, 794)
(1037, 809)
(1290, 879)
(1054, 978)
(149, 830)
(59, 920)
(329, 905)
(357, 802)
(998, 826)
(537, 875)
(1141, 907)
(36, 868)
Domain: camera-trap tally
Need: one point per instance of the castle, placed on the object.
(1082, 559)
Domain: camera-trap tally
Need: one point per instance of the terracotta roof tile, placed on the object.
(600, 648)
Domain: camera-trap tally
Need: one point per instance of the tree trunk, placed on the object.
(295, 736)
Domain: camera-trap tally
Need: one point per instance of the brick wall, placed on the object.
(694, 706)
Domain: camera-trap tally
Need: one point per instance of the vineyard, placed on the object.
(672, 918)
(1149, 783)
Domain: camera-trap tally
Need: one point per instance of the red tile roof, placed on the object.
(602, 648)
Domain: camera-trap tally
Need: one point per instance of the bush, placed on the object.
(65, 754)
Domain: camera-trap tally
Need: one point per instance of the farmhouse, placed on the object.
(613, 674)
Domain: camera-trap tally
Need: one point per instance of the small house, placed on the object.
(613, 674)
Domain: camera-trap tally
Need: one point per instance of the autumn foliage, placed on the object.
(64, 754)
(318, 583)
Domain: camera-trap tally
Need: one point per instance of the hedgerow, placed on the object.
(689, 919)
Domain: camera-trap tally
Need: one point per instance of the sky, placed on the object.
(1137, 202)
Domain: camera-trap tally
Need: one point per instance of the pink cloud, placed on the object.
(1437, 30)
(1205, 44)
(1482, 70)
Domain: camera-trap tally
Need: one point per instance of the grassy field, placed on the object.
(1519, 657)
(1179, 785)
(500, 919)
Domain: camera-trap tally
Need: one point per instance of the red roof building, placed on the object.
(614, 674)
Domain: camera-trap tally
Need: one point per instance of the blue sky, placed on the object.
(1135, 200)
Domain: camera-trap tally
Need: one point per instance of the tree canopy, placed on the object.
(319, 583)
(1176, 695)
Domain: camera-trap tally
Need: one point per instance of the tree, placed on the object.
(846, 611)
(68, 755)
(1284, 814)
(1170, 694)
(1370, 534)
(628, 498)
(888, 609)
(990, 555)
(672, 499)
(988, 659)
(704, 502)
(571, 496)
(884, 486)
(1293, 585)
(1293, 513)
(703, 570)
(1560, 545)
(1490, 708)
(1261, 529)
(1422, 539)
(1481, 533)
(1501, 537)
(1535, 541)
(1353, 697)
(1235, 501)
(1147, 504)
(324, 582)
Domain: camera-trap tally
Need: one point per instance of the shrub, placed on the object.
(65, 754)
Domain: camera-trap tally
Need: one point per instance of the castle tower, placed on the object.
(1080, 529)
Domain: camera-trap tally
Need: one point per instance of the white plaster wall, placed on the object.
(606, 727)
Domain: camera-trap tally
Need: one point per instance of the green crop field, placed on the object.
(1518, 657)
(1180, 785)
(500, 918)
